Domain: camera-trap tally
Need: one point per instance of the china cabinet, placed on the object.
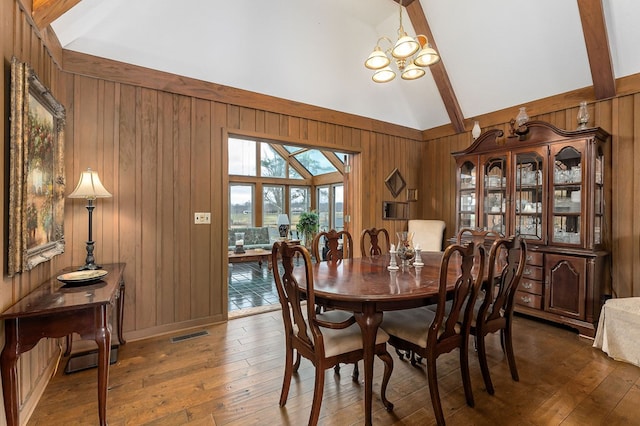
(549, 186)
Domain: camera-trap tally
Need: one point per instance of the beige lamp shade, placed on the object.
(89, 187)
(378, 59)
(405, 47)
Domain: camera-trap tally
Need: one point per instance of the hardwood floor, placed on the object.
(233, 377)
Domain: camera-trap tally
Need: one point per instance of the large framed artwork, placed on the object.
(36, 176)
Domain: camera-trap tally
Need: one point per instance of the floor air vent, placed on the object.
(184, 337)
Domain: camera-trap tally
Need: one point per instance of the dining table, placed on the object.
(366, 287)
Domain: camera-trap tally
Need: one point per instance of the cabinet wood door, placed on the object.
(565, 287)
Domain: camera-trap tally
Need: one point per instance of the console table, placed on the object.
(251, 255)
(56, 310)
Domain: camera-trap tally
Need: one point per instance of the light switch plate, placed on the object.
(202, 218)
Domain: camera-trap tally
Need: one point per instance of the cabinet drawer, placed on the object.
(527, 299)
(532, 273)
(531, 286)
(534, 258)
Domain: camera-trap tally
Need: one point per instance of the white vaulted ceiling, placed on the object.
(496, 53)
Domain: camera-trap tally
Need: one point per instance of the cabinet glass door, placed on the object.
(494, 195)
(528, 197)
(467, 201)
(599, 198)
(567, 196)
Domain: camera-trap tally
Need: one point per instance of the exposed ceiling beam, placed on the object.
(45, 12)
(420, 25)
(595, 38)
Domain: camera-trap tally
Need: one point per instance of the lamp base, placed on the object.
(89, 267)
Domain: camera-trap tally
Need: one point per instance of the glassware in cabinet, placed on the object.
(567, 195)
(529, 196)
(467, 196)
(494, 203)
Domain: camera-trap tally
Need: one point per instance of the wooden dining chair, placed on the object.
(495, 311)
(373, 235)
(428, 233)
(336, 246)
(324, 339)
(478, 236)
(430, 334)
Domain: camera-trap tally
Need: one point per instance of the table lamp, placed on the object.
(90, 188)
(283, 226)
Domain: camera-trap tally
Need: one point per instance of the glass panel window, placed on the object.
(315, 162)
(323, 208)
(271, 163)
(272, 204)
(241, 204)
(292, 149)
(242, 157)
(293, 173)
(342, 156)
(299, 201)
(338, 207)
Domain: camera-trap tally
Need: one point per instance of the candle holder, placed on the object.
(418, 258)
(239, 243)
(393, 266)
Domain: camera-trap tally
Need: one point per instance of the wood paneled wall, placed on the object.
(18, 38)
(164, 157)
(158, 142)
(619, 116)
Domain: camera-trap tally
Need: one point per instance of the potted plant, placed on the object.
(308, 225)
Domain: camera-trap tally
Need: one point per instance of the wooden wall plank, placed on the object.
(634, 124)
(147, 206)
(166, 219)
(126, 191)
(107, 229)
(200, 202)
(219, 228)
(182, 151)
(624, 193)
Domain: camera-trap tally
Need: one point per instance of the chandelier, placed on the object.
(411, 55)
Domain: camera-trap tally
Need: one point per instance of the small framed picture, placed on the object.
(412, 194)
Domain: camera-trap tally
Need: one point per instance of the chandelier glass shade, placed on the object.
(410, 54)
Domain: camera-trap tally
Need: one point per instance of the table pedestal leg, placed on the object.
(369, 321)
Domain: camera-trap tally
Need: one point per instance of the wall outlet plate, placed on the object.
(202, 218)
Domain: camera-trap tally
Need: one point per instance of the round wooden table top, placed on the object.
(368, 279)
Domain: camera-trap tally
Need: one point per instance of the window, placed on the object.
(338, 207)
(331, 206)
(272, 204)
(267, 179)
(315, 162)
(271, 163)
(241, 206)
(242, 157)
(323, 208)
(299, 201)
